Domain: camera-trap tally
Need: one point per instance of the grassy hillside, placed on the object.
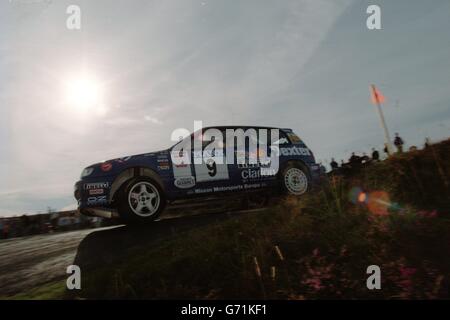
(394, 214)
(420, 178)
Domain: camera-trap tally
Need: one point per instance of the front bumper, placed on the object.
(93, 197)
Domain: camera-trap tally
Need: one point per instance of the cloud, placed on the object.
(152, 120)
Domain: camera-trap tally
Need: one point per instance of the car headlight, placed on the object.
(86, 172)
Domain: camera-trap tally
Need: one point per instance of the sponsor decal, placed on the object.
(96, 185)
(96, 191)
(250, 174)
(162, 154)
(164, 167)
(163, 159)
(294, 138)
(238, 187)
(184, 182)
(248, 165)
(228, 188)
(295, 151)
(268, 172)
(205, 154)
(207, 190)
(181, 165)
(254, 185)
(97, 200)
(106, 166)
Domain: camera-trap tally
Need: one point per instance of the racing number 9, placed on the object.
(212, 167)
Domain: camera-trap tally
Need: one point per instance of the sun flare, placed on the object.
(84, 94)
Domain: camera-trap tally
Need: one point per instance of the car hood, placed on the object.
(113, 166)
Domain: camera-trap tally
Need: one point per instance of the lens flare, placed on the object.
(379, 203)
(362, 197)
(357, 195)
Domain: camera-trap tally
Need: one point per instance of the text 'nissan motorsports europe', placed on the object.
(211, 162)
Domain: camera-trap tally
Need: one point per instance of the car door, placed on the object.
(242, 173)
(259, 174)
(182, 165)
(210, 164)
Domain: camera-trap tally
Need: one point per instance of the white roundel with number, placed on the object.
(211, 169)
(206, 168)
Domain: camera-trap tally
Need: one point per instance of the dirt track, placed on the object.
(28, 262)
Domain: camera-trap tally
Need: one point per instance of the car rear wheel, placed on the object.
(295, 180)
(141, 200)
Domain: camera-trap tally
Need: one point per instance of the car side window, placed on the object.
(209, 138)
(283, 139)
(239, 143)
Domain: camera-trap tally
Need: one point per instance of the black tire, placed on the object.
(138, 206)
(295, 179)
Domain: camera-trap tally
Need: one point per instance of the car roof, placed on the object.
(246, 127)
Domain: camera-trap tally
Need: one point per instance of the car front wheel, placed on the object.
(141, 200)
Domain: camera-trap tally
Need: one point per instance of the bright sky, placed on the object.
(137, 70)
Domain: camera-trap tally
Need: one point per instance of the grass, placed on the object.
(394, 214)
(49, 291)
(321, 254)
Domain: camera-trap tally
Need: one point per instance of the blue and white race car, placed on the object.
(138, 188)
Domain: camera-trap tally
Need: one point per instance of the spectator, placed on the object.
(385, 150)
(375, 155)
(354, 160)
(365, 158)
(323, 170)
(334, 165)
(427, 142)
(398, 141)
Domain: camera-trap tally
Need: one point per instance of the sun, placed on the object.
(84, 94)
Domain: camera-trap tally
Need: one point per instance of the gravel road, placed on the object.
(30, 261)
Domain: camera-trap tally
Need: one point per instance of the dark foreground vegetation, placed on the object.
(394, 214)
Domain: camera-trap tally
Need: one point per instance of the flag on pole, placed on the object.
(376, 96)
(378, 99)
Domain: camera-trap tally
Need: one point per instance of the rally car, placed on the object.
(138, 188)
